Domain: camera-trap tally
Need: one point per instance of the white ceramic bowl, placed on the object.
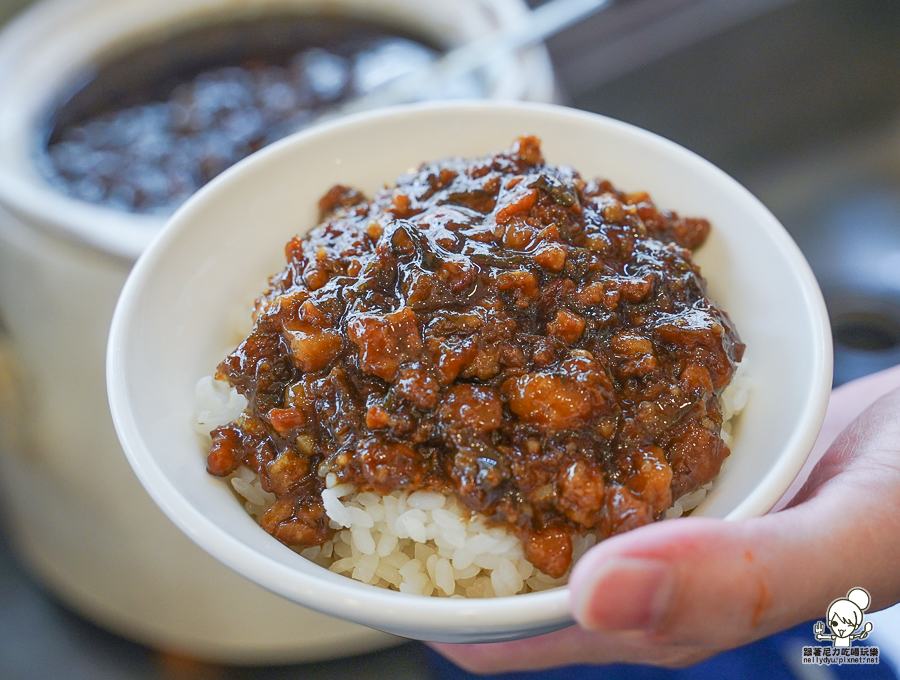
(172, 321)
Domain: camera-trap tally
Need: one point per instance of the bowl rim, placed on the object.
(549, 608)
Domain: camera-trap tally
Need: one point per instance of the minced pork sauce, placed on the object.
(499, 329)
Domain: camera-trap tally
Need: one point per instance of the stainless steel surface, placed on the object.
(632, 34)
(842, 204)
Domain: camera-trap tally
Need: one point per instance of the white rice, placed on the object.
(733, 399)
(218, 403)
(422, 542)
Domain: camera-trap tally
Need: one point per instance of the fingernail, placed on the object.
(624, 593)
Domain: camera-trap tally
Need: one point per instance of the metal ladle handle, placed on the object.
(532, 27)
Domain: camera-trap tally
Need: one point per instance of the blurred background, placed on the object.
(799, 100)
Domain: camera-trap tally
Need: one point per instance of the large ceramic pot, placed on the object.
(78, 517)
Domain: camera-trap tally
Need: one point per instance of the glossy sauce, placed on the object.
(499, 329)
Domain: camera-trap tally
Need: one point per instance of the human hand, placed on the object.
(674, 593)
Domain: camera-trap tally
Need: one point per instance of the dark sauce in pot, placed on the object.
(148, 128)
